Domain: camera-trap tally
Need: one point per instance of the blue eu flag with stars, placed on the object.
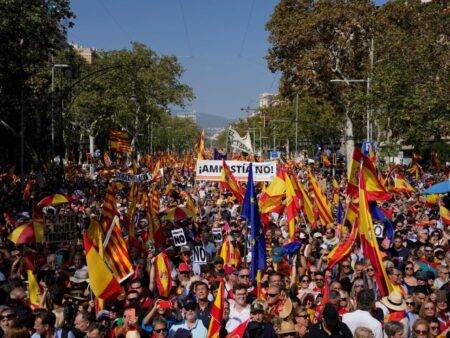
(250, 213)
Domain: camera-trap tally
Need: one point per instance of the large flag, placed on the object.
(368, 239)
(116, 251)
(229, 182)
(308, 208)
(343, 249)
(34, 292)
(401, 185)
(201, 153)
(231, 255)
(119, 141)
(374, 189)
(240, 143)
(101, 280)
(445, 214)
(239, 331)
(153, 210)
(378, 214)
(292, 207)
(28, 232)
(323, 206)
(250, 213)
(353, 170)
(216, 313)
(163, 276)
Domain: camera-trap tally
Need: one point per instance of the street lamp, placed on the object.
(54, 66)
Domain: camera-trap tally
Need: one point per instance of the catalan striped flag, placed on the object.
(153, 210)
(401, 185)
(201, 153)
(163, 277)
(292, 207)
(368, 239)
(307, 206)
(28, 232)
(352, 175)
(157, 172)
(101, 280)
(215, 322)
(229, 182)
(119, 141)
(375, 190)
(116, 251)
(323, 206)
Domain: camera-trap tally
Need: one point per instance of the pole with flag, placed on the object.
(250, 213)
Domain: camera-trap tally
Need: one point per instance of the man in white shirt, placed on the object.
(239, 309)
(362, 317)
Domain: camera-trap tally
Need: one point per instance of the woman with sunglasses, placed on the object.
(7, 320)
(427, 310)
(344, 303)
(301, 320)
(409, 280)
(421, 329)
(304, 286)
(412, 310)
(308, 304)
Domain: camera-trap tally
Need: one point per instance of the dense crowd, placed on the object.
(296, 296)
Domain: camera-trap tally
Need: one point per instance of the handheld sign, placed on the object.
(199, 254)
(378, 229)
(179, 239)
(217, 235)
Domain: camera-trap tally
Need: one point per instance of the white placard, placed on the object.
(179, 239)
(199, 254)
(211, 170)
(378, 229)
(217, 235)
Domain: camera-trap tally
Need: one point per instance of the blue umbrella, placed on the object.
(438, 188)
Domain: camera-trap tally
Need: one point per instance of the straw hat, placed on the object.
(286, 310)
(287, 327)
(394, 301)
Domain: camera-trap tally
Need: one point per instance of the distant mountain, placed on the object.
(208, 121)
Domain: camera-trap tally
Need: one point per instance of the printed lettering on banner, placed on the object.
(217, 235)
(211, 170)
(179, 239)
(199, 254)
(60, 227)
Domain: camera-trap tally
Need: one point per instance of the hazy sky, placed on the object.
(221, 43)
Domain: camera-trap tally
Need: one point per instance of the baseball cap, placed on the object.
(184, 267)
(185, 248)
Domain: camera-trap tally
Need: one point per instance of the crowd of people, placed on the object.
(296, 296)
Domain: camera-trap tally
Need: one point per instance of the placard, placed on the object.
(217, 235)
(60, 227)
(199, 254)
(211, 170)
(379, 230)
(179, 239)
(133, 178)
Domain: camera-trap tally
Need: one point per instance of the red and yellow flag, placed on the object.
(307, 206)
(152, 211)
(335, 192)
(369, 240)
(323, 206)
(163, 277)
(401, 185)
(229, 182)
(353, 170)
(375, 190)
(292, 207)
(445, 214)
(201, 153)
(157, 172)
(28, 232)
(342, 250)
(119, 141)
(101, 280)
(34, 291)
(215, 322)
(231, 255)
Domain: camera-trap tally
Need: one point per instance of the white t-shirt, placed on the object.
(237, 317)
(359, 318)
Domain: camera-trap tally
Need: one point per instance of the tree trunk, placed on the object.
(349, 140)
(80, 149)
(91, 150)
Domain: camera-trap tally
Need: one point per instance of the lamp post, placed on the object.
(54, 66)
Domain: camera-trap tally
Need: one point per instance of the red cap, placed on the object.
(183, 267)
(229, 270)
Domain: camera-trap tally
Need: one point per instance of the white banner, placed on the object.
(238, 142)
(179, 239)
(211, 170)
(199, 254)
(217, 235)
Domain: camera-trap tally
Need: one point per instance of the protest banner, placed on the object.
(60, 228)
(240, 143)
(217, 235)
(179, 239)
(211, 170)
(133, 178)
(199, 254)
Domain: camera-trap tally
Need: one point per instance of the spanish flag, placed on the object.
(369, 240)
(201, 154)
(292, 207)
(342, 250)
(231, 255)
(335, 192)
(271, 204)
(353, 170)
(323, 207)
(374, 189)
(163, 276)
(229, 182)
(101, 280)
(445, 214)
(28, 232)
(278, 185)
(34, 291)
(215, 322)
(402, 185)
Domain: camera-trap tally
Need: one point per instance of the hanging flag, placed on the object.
(368, 239)
(250, 213)
(445, 214)
(378, 215)
(323, 207)
(201, 154)
(352, 178)
(28, 232)
(163, 277)
(374, 189)
(216, 313)
(101, 280)
(119, 141)
(336, 189)
(230, 254)
(229, 182)
(401, 185)
(240, 143)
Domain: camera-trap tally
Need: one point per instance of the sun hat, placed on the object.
(80, 276)
(287, 327)
(394, 301)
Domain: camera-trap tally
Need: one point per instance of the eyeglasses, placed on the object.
(370, 269)
(304, 316)
(8, 316)
(305, 281)
(271, 295)
(244, 276)
(429, 308)
(164, 329)
(421, 331)
(410, 303)
(409, 268)
(434, 327)
(345, 266)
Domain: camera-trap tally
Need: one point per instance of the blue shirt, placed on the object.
(197, 331)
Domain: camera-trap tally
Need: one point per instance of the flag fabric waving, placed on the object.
(231, 255)
(250, 213)
(28, 232)
(215, 322)
(163, 278)
(402, 185)
(374, 189)
(229, 182)
(201, 153)
(323, 207)
(33, 287)
(353, 170)
(445, 214)
(119, 141)
(101, 280)
(292, 207)
(239, 331)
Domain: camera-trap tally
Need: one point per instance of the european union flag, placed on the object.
(378, 215)
(250, 213)
(218, 155)
(340, 213)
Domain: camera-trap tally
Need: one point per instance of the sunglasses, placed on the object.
(429, 308)
(410, 303)
(344, 298)
(271, 295)
(305, 281)
(370, 269)
(421, 331)
(409, 268)
(359, 285)
(345, 266)
(434, 327)
(161, 330)
(9, 316)
(244, 276)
